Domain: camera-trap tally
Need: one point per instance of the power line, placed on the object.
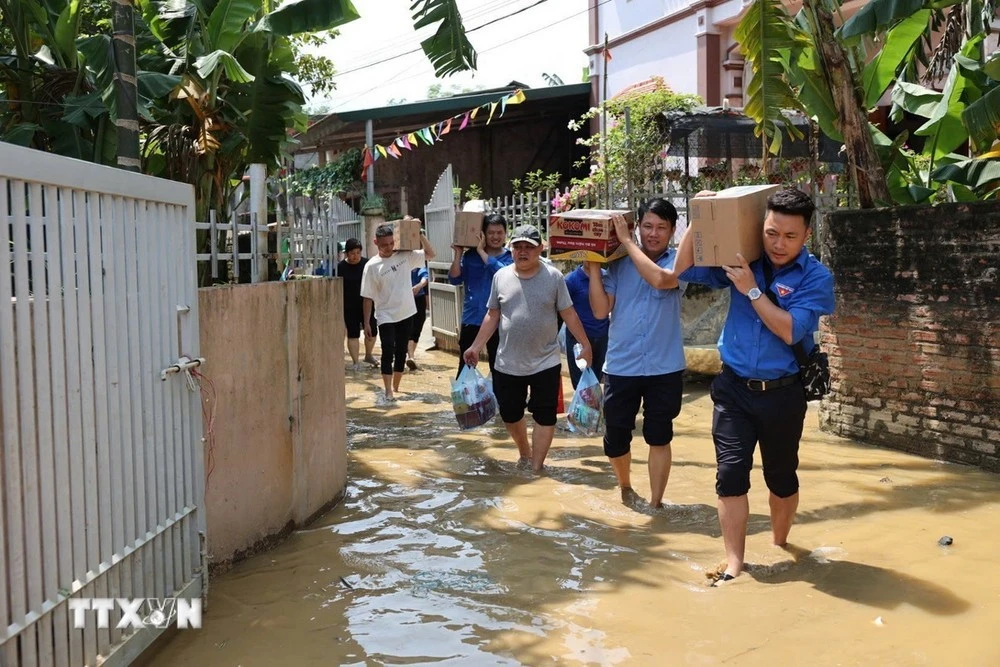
(487, 50)
(418, 49)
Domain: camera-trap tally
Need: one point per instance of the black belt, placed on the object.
(762, 385)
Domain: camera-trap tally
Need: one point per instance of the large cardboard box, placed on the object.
(468, 226)
(406, 232)
(586, 235)
(730, 222)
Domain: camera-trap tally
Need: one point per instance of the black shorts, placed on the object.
(354, 318)
(660, 397)
(512, 395)
(742, 418)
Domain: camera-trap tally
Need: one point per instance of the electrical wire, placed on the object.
(486, 50)
(209, 403)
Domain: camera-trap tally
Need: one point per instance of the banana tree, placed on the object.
(837, 77)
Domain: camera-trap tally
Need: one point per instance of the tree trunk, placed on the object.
(123, 42)
(866, 168)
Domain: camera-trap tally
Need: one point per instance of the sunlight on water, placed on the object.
(444, 552)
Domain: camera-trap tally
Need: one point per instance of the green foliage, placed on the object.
(635, 156)
(535, 181)
(338, 177)
(448, 49)
(373, 202)
(899, 39)
(473, 192)
(766, 35)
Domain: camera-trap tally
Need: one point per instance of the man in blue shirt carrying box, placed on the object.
(775, 302)
(645, 358)
(475, 268)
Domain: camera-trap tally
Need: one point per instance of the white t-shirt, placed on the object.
(386, 281)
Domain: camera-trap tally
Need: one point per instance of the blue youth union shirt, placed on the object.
(416, 275)
(804, 288)
(478, 277)
(645, 337)
(578, 284)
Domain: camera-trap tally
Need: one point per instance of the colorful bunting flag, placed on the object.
(427, 135)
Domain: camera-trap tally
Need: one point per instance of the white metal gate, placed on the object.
(102, 466)
(439, 218)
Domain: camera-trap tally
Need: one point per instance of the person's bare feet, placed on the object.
(629, 496)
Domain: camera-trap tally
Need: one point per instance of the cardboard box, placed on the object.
(730, 222)
(586, 235)
(468, 226)
(407, 234)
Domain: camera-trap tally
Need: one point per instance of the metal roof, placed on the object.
(458, 103)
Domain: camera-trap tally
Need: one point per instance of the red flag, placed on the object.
(607, 55)
(366, 162)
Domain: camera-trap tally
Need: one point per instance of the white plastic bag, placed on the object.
(586, 410)
(473, 399)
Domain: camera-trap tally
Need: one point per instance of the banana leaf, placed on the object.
(448, 49)
(982, 119)
(299, 16)
(767, 36)
(879, 74)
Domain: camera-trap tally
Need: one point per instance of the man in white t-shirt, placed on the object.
(386, 284)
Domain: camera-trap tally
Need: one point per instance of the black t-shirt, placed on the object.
(351, 274)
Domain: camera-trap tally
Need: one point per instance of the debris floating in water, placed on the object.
(344, 581)
(879, 621)
(945, 541)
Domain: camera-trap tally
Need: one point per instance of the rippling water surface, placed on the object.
(443, 552)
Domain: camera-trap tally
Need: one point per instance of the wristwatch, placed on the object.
(754, 293)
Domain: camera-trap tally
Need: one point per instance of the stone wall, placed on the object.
(915, 342)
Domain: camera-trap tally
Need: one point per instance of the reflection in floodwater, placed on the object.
(443, 552)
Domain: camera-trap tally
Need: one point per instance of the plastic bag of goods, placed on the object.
(473, 399)
(586, 410)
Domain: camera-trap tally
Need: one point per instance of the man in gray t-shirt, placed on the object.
(525, 300)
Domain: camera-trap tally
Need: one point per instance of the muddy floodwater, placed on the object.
(443, 552)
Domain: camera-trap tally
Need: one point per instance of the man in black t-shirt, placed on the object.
(350, 270)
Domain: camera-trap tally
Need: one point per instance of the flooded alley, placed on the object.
(443, 552)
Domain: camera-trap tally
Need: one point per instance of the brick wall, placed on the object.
(915, 342)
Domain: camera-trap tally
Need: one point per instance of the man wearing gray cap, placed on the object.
(525, 299)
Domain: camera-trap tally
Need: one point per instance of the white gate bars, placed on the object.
(439, 220)
(439, 217)
(309, 231)
(102, 466)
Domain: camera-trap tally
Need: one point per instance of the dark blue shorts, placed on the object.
(743, 417)
(660, 397)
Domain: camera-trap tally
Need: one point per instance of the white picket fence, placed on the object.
(101, 451)
(303, 240)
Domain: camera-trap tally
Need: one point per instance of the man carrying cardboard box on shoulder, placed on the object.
(385, 283)
(475, 268)
(645, 358)
(775, 302)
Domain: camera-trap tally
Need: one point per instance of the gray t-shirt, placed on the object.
(528, 318)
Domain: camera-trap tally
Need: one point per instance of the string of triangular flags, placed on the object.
(432, 134)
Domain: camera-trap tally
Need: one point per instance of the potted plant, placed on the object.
(372, 205)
